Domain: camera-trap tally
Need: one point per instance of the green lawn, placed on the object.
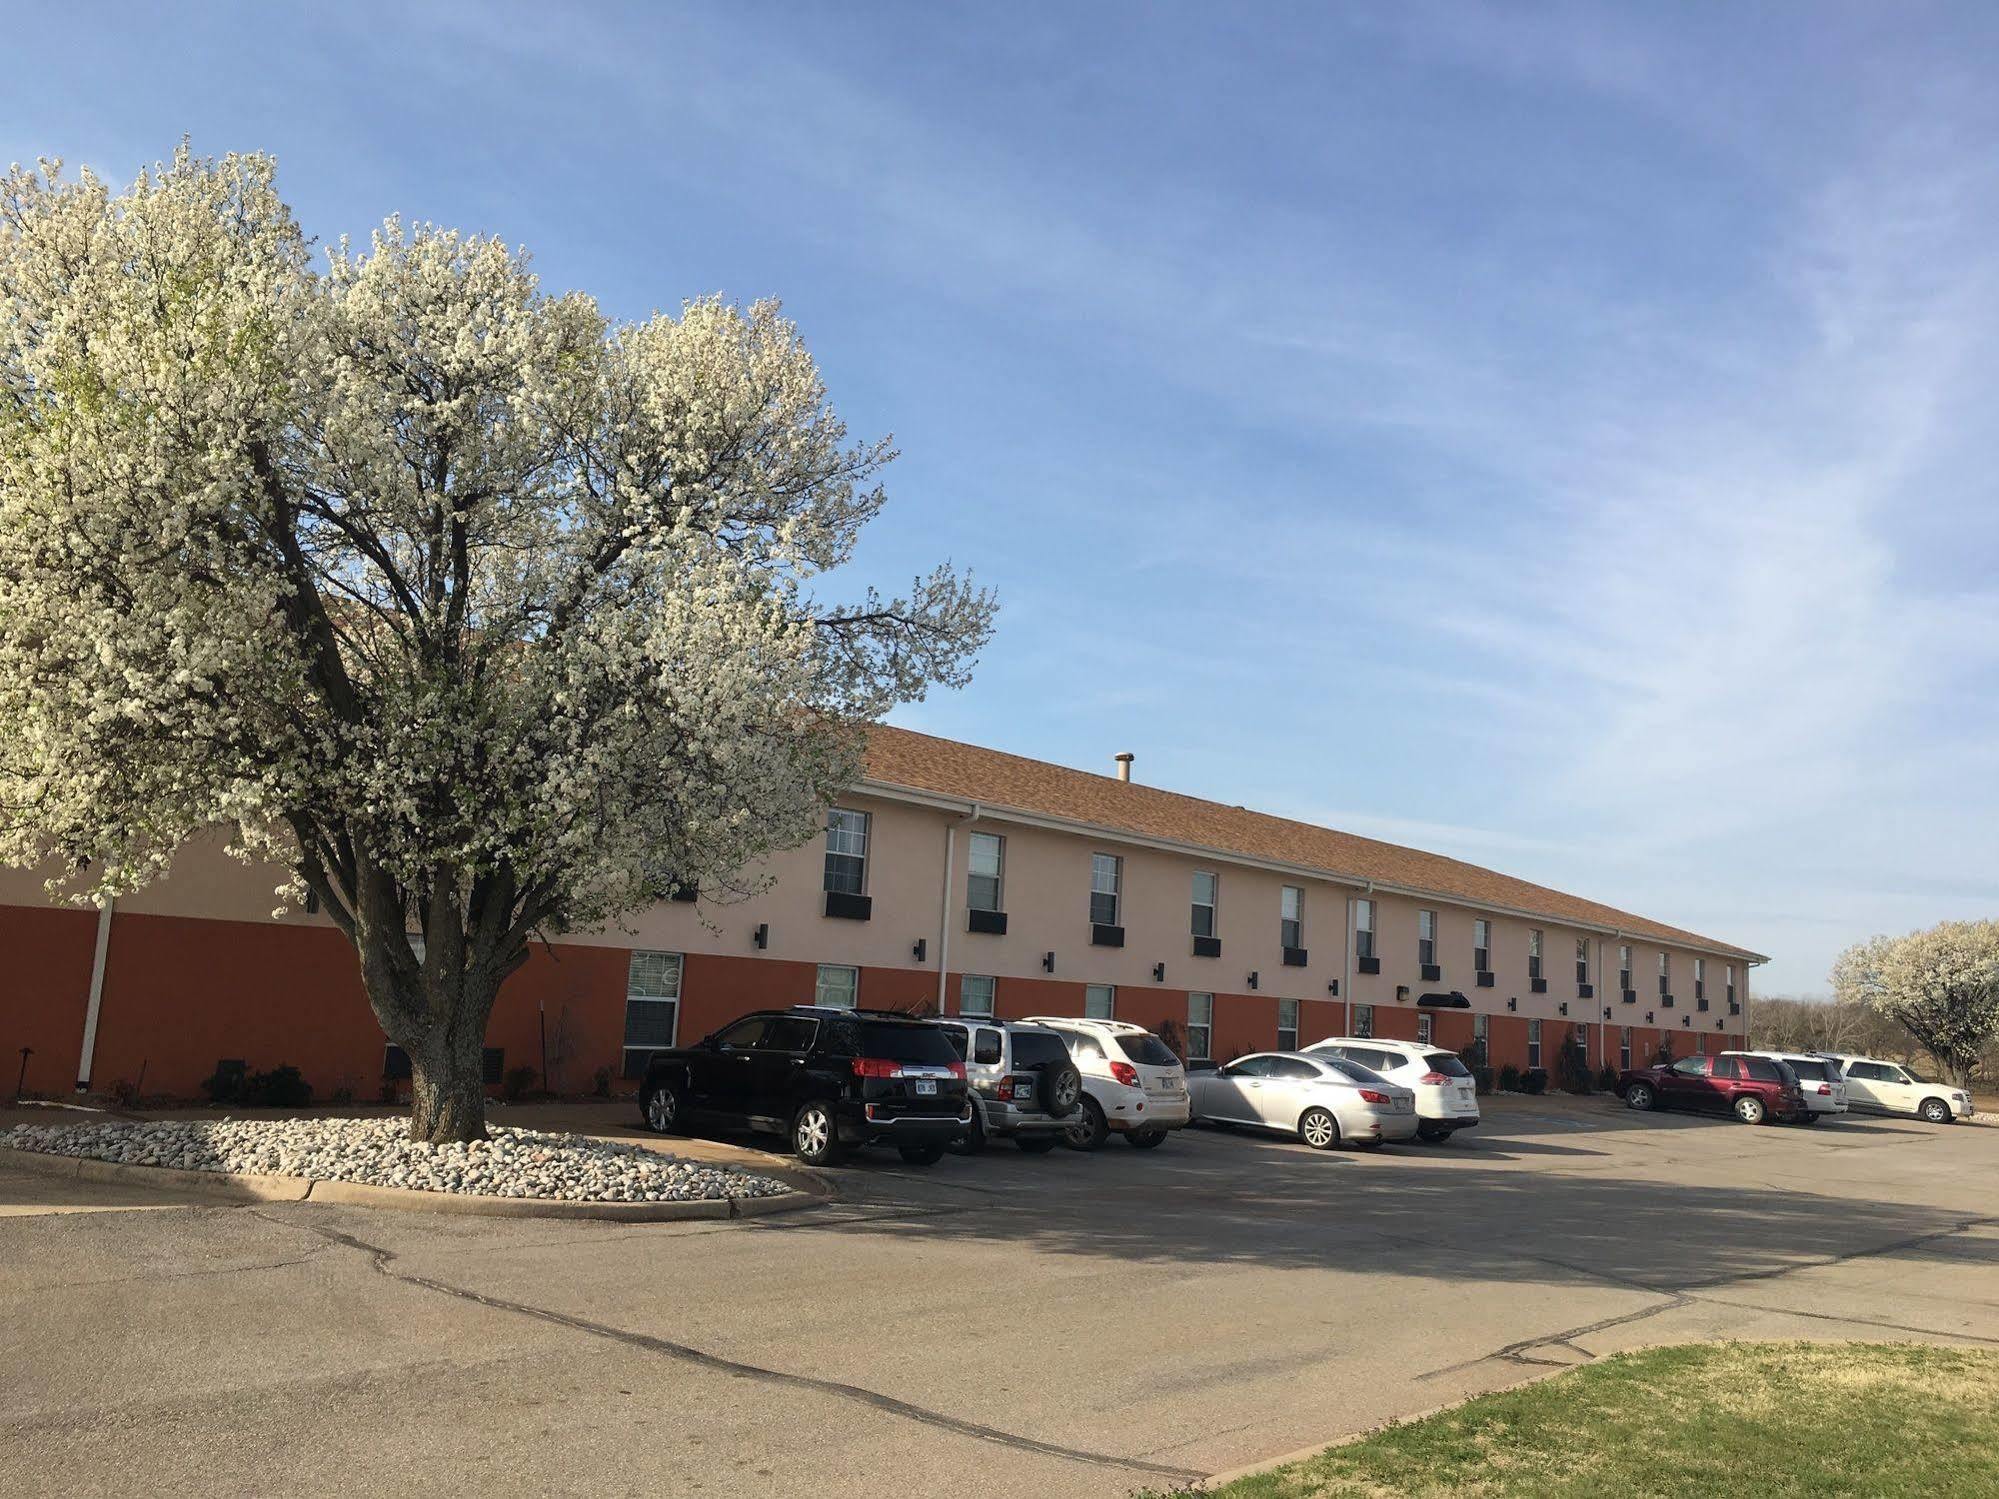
(1711, 1419)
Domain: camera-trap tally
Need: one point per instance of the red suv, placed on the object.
(1754, 1089)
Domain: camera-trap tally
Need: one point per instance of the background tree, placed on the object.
(1941, 985)
(481, 614)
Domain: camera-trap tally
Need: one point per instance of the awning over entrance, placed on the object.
(1451, 1001)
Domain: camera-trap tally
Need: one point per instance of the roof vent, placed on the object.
(1124, 759)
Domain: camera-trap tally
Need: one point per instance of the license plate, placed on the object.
(926, 1087)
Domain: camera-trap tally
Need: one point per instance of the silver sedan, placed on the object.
(1323, 1100)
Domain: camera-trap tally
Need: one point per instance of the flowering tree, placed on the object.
(1941, 985)
(480, 614)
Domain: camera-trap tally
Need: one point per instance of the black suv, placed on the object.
(827, 1079)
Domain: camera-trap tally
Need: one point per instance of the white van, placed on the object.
(1878, 1087)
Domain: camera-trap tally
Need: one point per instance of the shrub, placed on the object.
(1606, 1080)
(225, 1084)
(342, 1095)
(600, 1082)
(1572, 1066)
(1534, 1080)
(518, 1081)
(1509, 1079)
(280, 1088)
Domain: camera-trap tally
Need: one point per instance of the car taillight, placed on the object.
(958, 1071)
(1433, 1079)
(875, 1067)
(1369, 1095)
(1125, 1073)
(1826, 1088)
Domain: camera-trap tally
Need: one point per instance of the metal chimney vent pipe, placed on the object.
(1124, 760)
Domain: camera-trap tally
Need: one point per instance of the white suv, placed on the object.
(1133, 1085)
(1879, 1087)
(1818, 1080)
(1446, 1094)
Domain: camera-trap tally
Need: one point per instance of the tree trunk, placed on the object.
(448, 1094)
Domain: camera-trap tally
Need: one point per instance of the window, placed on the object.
(1203, 919)
(1534, 954)
(1729, 973)
(1761, 1070)
(975, 994)
(1624, 968)
(1533, 1043)
(1665, 973)
(1363, 1020)
(652, 1007)
(988, 1048)
(1426, 938)
(1291, 914)
(1480, 1028)
(1686, 1066)
(846, 851)
(791, 1033)
(1724, 1068)
(1700, 978)
(744, 1034)
(1363, 928)
(1581, 1034)
(1098, 1001)
(1200, 1025)
(982, 878)
(1424, 1025)
(837, 986)
(1700, 1041)
(1624, 1049)
(1106, 874)
(1287, 1025)
(1481, 945)
(1582, 960)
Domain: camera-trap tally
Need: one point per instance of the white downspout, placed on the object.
(971, 814)
(84, 1057)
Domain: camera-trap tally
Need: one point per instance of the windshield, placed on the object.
(1449, 1065)
(1148, 1051)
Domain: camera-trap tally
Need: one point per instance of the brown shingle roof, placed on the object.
(922, 762)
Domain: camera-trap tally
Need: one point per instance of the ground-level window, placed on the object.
(1424, 1025)
(1363, 1020)
(1582, 1042)
(652, 1007)
(1700, 1044)
(1624, 1049)
(1533, 1043)
(975, 994)
(1287, 1025)
(1481, 1026)
(1200, 1025)
(1099, 1000)
(838, 986)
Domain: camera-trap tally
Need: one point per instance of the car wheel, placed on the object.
(1037, 1144)
(1087, 1128)
(1319, 1129)
(1432, 1134)
(1144, 1139)
(1061, 1090)
(1810, 1116)
(1935, 1111)
(815, 1139)
(973, 1140)
(922, 1155)
(662, 1109)
(1638, 1096)
(1750, 1110)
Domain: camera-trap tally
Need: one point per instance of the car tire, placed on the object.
(1037, 1144)
(1810, 1116)
(661, 1109)
(815, 1136)
(1934, 1111)
(1060, 1090)
(1433, 1134)
(1088, 1129)
(1750, 1110)
(1639, 1096)
(922, 1155)
(1319, 1129)
(1145, 1139)
(973, 1140)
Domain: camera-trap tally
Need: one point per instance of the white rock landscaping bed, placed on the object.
(521, 1163)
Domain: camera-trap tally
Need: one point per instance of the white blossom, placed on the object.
(1941, 984)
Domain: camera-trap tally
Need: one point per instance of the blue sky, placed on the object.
(1559, 436)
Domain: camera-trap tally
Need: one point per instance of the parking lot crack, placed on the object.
(383, 1261)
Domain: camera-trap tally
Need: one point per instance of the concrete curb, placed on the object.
(251, 1188)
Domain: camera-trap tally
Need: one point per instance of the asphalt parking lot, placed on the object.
(1058, 1325)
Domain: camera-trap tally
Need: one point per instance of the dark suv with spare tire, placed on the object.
(827, 1079)
(1023, 1084)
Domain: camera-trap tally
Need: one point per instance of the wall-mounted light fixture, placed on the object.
(1334, 988)
(1648, 1017)
(922, 946)
(1513, 1004)
(1717, 1025)
(1401, 993)
(1606, 1012)
(1686, 1020)
(1048, 962)
(1252, 981)
(1158, 973)
(761, 936)
(1565, 1007)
